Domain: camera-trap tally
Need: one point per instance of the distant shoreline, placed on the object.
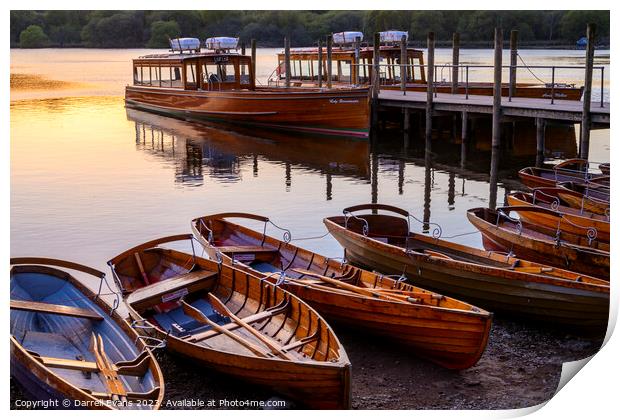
(415, 44)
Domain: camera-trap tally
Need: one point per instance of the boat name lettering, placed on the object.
(220, 59)
(343, 101)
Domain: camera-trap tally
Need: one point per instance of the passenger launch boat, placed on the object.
(67, 343)
(234, 322)
(219, 85)
(446, 331)
(491, 280)
(349, 63)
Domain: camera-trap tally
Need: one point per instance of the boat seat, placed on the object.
(52, 345)
(48, 308)
(245, 249)
(164, 291)
(179, 324)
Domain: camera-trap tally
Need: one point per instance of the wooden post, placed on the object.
(584, 138)
(403, 64)
(328, 186)
(320, 57)
(253, 44)
(287, 62)
(497, 115)
(514, 35)
(464, 138)
(429, 93)
(375, 81)
(374, 178)
(540, 141)
(356, 68)
(242, 53)
(456, 43)
(329, 61)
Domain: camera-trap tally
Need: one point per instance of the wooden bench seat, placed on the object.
(155, 293)
(244, 249)
(49, 308)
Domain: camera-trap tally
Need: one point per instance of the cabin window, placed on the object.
(219, 73)
(244, 72)
(191, 75)
(167, 76)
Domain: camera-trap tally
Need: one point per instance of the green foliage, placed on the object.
(33, 37)
(161, 32)
(109, 28)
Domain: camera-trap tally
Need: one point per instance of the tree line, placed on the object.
(132, 29)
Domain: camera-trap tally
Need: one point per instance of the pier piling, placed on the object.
(329, 61)
(253, 46)
(287, 62)
(586, 122)
(456, 42)
(356, 68)
(320, 64)
(514, 36)
(403, 64)
(464, 137)
(540, 141)
(497, 115)
(375, 80)
(429, 94)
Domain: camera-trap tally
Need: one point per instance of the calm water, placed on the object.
(89, 178)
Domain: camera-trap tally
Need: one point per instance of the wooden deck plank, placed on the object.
(153, 293)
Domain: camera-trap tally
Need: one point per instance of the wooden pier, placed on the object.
(447, 103)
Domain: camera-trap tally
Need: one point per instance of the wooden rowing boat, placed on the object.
(234, 322)
(574, 200)
(501, 232)
(534, 177)
(444, 330)
(491, 280)
(571, 220)
(67, 343)
(594, 198)
(220, 86)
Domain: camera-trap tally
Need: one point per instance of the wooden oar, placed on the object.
(141, 268)
(199, 316)
(111, 380)
(352, 288)
(273, 346)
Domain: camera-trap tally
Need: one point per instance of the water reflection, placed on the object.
(197, 149)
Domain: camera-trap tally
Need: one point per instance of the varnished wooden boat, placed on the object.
(534, 177)
(219, 86)
(234, 322)
(444, 330)
(572, 221)
(575, 200)
(491, 280)
(67, 343)
(502, 233)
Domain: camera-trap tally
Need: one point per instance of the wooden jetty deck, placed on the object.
(560, 110)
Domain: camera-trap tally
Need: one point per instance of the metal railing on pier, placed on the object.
(389, 75)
